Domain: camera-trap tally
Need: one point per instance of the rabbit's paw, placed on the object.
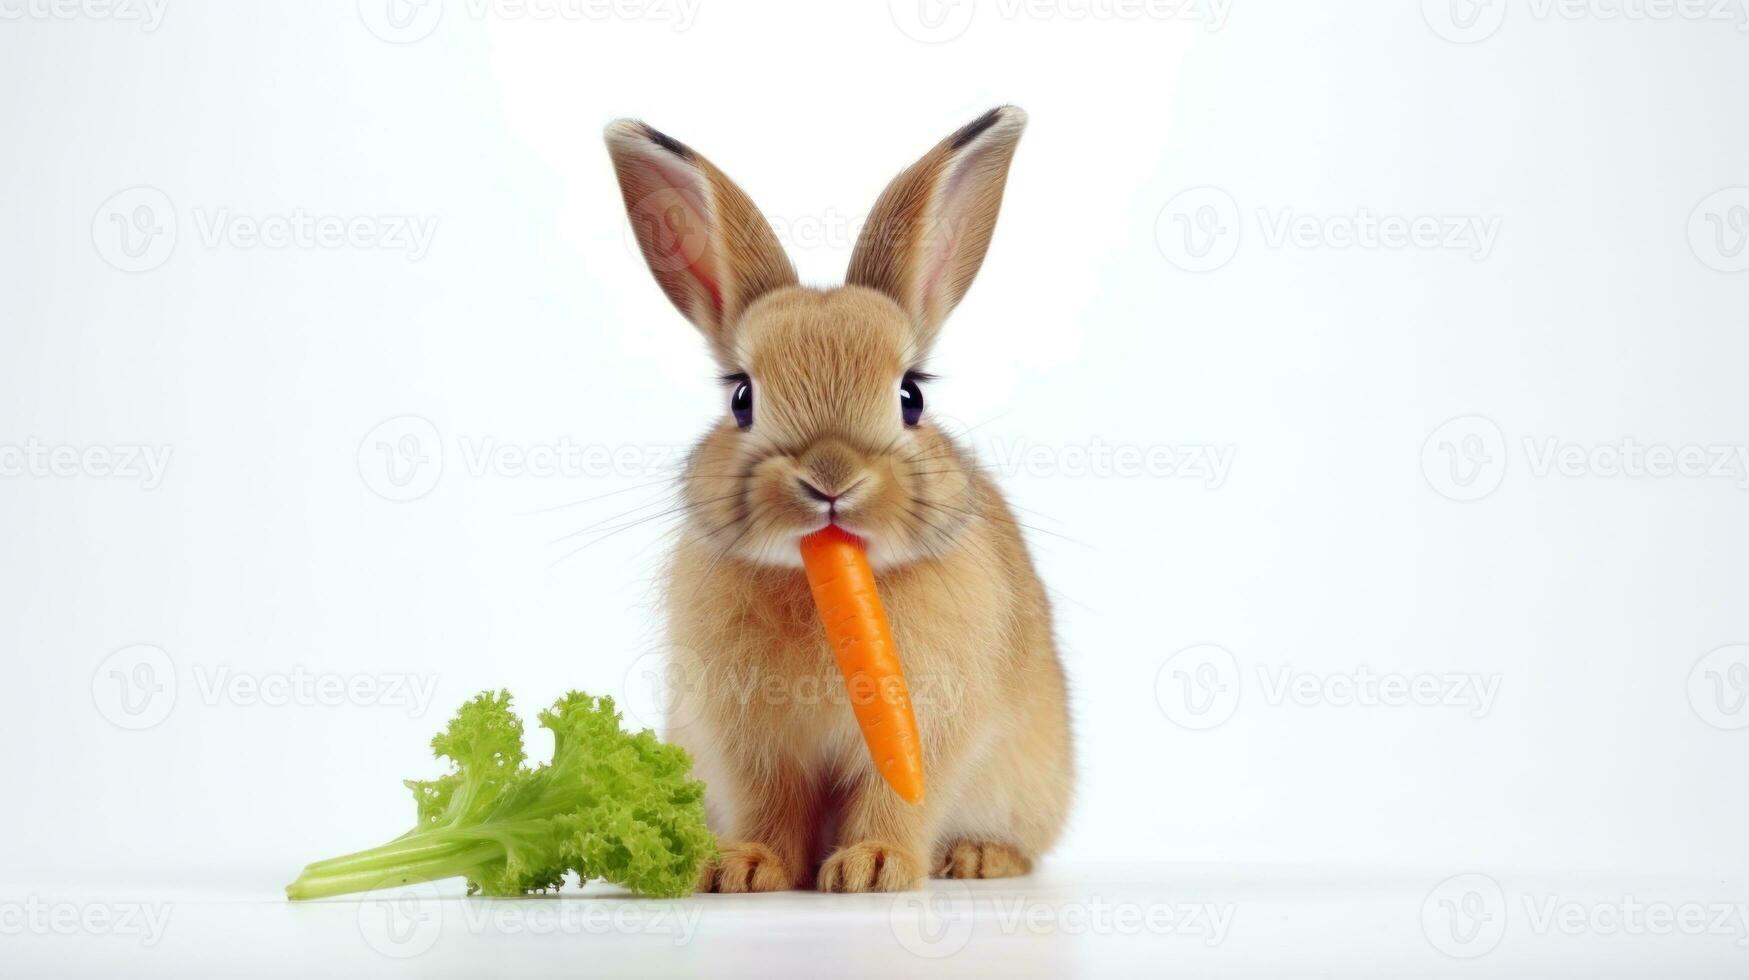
(745, 867)
(871, 866)
(981, 859)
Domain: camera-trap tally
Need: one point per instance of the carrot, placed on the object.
(856, 630)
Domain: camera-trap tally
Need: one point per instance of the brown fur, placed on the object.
(759, 699)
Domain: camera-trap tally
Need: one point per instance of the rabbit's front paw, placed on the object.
(745, 867)
(871, 866)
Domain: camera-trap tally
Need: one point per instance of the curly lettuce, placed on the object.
(611, 805)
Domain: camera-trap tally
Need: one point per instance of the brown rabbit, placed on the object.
(826, 425)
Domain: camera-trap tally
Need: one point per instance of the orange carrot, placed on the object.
(856, 629)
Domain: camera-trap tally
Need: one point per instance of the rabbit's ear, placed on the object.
(930, 229)
(710, 249)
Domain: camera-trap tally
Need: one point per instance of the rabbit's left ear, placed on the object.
(929, 231)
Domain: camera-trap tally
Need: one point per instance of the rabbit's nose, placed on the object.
(815, 492)
(830, 468)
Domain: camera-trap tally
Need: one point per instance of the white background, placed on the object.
(1606, 310)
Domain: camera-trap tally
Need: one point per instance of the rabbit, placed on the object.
(825, 423)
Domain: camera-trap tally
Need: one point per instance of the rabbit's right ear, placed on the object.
(710, 249)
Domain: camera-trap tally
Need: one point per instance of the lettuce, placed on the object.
(609, 805)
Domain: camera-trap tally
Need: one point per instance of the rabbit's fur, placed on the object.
(758, 699)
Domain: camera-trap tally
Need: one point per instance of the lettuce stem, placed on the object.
(369, 870)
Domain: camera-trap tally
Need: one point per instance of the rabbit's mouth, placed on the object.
(908, 496)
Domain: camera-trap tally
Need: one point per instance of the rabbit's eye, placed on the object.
(911, 399)
(741, 400)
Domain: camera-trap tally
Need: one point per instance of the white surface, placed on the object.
(1190, 920)
(232, 663)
